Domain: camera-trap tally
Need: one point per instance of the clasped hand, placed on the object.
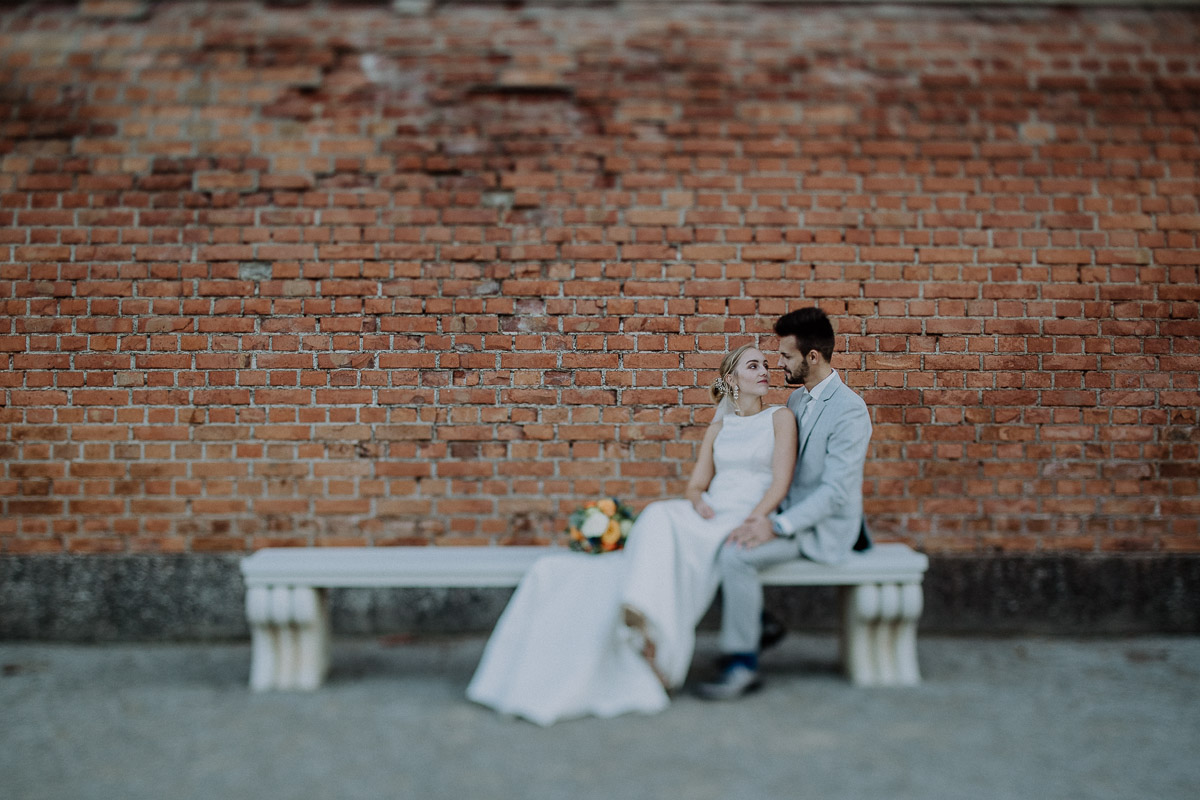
(754, 531)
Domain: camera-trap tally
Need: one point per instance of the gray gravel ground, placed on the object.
(995, 718)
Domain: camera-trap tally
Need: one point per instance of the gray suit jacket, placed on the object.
(824, 504)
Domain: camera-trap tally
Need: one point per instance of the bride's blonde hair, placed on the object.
(721, 386)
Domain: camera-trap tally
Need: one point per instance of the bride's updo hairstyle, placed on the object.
(721, 386)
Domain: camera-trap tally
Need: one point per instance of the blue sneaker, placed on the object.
(736, 681)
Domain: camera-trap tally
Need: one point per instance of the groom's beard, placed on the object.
(793, 378)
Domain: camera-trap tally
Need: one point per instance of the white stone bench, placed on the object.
(287, 601)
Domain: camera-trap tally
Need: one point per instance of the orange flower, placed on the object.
(611, 537)
(608, 507)
(576, 534)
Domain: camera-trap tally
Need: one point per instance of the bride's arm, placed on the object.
(782, 464)
(703, 471)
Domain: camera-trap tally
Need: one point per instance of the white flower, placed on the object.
(595, 523)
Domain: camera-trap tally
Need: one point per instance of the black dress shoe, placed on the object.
(773, 631)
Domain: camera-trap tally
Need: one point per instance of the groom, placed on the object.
(821, 517)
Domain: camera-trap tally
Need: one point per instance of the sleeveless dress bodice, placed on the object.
(742, 455)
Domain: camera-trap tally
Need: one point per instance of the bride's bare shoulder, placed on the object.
(713, 429)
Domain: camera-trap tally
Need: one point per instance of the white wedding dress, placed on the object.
(560, 649)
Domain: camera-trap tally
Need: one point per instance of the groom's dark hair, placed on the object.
(812, 329)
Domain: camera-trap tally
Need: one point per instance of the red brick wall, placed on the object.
(332, 275)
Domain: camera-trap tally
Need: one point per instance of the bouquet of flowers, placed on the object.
(600, 526)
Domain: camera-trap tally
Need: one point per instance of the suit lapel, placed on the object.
(814, 414)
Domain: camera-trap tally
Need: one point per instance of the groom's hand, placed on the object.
(751, 533)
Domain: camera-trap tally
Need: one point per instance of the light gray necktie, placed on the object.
(805, 412)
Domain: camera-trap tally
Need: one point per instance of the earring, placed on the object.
(735, 393)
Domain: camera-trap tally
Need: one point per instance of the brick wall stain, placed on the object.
(326, 274)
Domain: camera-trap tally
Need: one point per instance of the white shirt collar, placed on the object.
(825, 386)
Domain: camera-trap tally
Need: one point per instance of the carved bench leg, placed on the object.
(879, 638)
(285, 637)
(883, 646)
(860, 606)
(289, 632)
(912, 602)
(263, 645)
(311, 611)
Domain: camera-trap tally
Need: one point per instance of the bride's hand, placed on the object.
(703, 509)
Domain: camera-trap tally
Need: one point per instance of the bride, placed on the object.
(610, 634)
